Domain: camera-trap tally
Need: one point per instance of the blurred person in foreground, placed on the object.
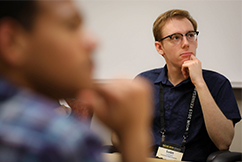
(45, 55)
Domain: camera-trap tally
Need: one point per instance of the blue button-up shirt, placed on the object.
(176, 104)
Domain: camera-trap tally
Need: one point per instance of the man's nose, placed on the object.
(91, 41)
(184, 42)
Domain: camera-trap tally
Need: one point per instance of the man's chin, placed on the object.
(89, 84)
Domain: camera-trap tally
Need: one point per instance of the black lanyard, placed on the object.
(162, 114)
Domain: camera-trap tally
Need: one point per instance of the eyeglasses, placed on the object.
(176, 38)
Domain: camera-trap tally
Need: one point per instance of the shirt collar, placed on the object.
(162, 78)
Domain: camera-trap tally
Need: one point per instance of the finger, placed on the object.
(115, 90)
(107, 90)
(193, 57)
(85, 96)
(97, 103)
(185, 71)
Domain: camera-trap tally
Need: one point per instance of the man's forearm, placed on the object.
(219, 128)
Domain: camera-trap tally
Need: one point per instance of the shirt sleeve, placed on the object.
(226, 101)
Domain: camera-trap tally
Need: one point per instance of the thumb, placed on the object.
(192, 57)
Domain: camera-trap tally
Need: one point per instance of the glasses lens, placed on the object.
(191, 36)
(176, 38)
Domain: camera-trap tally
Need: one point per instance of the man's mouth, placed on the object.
(185, 54)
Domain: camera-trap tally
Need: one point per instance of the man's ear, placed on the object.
(12, 42)
(159, 48)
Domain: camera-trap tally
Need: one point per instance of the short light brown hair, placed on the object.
(163, 18)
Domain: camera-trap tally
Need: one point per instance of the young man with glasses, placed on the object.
(195, 109)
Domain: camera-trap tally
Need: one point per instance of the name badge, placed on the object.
(170, 151)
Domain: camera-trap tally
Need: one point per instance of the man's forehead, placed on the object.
(64, 8)
(171, 26)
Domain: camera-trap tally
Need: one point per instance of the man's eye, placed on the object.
(191, 35)
(72, 25)
(175, 37)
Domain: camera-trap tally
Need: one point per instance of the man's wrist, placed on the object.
(200, 85)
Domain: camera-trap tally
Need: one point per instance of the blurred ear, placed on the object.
(12, 42)
(159, 48)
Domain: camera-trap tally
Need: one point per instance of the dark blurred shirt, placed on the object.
(31, 131)
(176, 104)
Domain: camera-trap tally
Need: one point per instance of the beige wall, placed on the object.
(135, 42)
(237, 142)
(236, 146)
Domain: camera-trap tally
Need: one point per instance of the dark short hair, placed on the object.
(23, 11)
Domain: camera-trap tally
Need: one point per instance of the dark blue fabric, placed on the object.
(176, 104)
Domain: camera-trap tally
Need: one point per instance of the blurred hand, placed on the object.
(126, 107)
(121, 104)
(80, 109)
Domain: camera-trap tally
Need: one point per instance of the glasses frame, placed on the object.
(170, 36)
